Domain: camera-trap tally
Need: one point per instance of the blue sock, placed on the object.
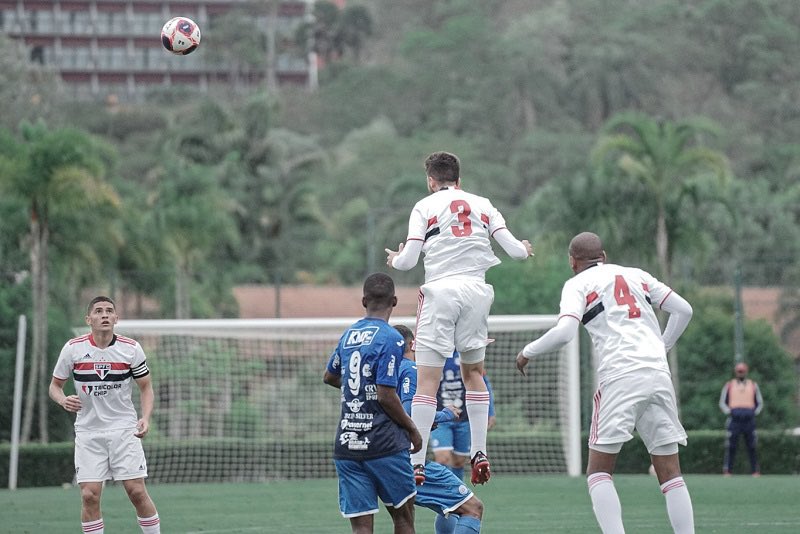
(445, 525)
(468, 525)
(457, 471)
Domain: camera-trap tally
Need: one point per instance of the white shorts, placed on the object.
(643, 400)
(109, 454)
(452, 315)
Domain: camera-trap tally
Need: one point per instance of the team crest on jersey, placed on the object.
(102, 370)
(87, 389)
(363, 336)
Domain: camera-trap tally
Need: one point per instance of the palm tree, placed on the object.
(667, 159)
(53, 171)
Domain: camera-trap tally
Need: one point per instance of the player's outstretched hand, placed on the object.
(141, 428)
(522, 361)
(392, 253)
(528, 246)
(416, 440)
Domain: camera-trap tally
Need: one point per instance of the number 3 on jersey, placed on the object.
(462, 208)
(623, 296)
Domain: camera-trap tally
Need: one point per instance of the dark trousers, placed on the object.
(740, 425)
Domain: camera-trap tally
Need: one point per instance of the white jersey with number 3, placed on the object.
(455, 227)
(615, 304)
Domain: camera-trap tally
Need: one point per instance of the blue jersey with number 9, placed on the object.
(368, 354)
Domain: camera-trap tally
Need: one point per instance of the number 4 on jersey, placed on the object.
(624, 298)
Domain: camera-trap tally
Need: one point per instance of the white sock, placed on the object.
(150, 525)
(605, 503)
(679, 505)
(423, 410)
(478, 412)
(93, 527)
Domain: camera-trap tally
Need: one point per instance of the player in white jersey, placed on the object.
(635, 391)
(108, 432)
(452, 228)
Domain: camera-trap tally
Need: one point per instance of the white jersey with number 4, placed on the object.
(455, 227)
(103, 380)
(615, 304)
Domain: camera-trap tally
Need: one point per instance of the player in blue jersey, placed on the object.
(458, 510)
(450, 441)
(374, 434)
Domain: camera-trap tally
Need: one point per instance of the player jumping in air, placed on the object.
(453, 227)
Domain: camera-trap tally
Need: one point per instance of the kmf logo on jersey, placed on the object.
(356, 338)
(102, 370)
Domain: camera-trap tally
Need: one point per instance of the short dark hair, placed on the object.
(408, 335)
(443, 167)
(99, 298)
(379, 290)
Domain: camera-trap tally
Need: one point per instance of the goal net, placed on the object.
(243, 400)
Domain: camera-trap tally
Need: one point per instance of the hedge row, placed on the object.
(52, 465)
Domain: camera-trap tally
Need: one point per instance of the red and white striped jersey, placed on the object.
(615, 304)
(455, 227)
(103, 380)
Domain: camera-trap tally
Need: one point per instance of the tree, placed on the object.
(668, 159)
(333, 31)
(193, 217)
(53, 171)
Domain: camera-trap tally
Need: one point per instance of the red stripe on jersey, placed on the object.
(644, 286)
(79, 339)
(432, 221)
(414, 239)
(665, 298)
(591, 297)
(127, 340)
(503, 228)
(89, 366)
(485, 218)
(570, 315)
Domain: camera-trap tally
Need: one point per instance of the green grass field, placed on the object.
(513, 504)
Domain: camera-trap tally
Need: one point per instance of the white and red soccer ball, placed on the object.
(180, 35)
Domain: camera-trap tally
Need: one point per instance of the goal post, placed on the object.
(243, 399)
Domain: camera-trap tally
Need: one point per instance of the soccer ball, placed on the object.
(180, 35)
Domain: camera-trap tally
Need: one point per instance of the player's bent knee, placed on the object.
(473, 507)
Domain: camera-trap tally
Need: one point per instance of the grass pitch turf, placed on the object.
(513, 505)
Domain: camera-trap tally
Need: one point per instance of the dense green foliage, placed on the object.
(690, 112)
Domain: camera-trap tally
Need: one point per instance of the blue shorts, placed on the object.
(453, 436)
(442, 492)
(361, 482)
